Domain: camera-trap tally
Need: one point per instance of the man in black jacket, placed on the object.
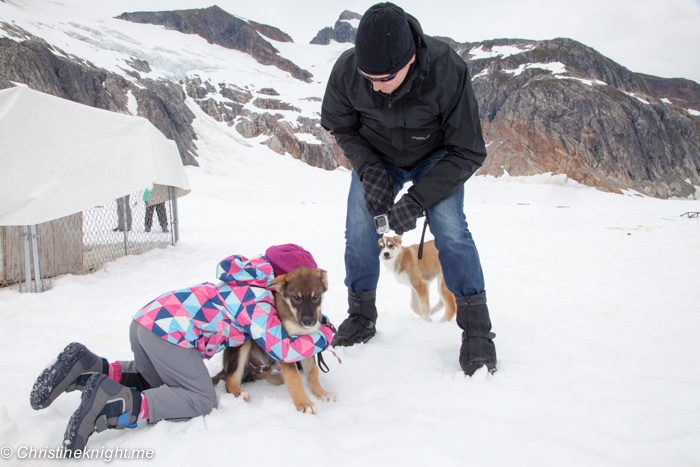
(401, 106)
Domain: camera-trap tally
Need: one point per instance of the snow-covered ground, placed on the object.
(594, 298)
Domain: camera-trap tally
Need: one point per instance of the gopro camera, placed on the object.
(381, 223)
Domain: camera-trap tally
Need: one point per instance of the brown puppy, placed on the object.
(417, 274)
(298, 296)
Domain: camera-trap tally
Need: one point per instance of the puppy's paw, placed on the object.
(327, 397)
(306, 407)
(238, 392)
(276, 378)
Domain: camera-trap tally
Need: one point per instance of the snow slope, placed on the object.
(593, 296)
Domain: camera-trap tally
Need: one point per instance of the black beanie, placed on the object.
(384, 43)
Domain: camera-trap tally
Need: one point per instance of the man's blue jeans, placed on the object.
(458, 255)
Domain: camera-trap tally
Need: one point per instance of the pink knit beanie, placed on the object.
(285, 258)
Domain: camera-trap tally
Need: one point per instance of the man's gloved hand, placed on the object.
(403, 216)
(379, 189)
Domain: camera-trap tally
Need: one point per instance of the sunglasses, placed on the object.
(379, 80)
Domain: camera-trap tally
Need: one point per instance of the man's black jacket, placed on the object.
(433, 109)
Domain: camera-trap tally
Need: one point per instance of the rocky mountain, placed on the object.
(546, 106)
(559, 106)
(342, 31)
(220, 27)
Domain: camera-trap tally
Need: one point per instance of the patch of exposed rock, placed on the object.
(221, 110)
(342, 31)
(220, 27)
(139, 65)
(682, 92)
(282, 139)
(274, 104)
(227, 104)
(271, 32)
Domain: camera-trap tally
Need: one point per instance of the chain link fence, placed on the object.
(82, 242)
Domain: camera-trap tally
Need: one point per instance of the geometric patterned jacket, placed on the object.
(210, 317)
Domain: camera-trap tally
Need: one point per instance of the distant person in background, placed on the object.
(401, 106)
(123, 214)
(155, 200)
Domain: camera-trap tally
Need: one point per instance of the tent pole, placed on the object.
(27, 259)
(35, 252)
(20, 257)
(125, 206)
(176, 219)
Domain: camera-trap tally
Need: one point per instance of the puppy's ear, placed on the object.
(398, 239)
(278, 283)
(324, 278)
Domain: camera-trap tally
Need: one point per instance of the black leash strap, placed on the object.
(325, 321)
(422, 239)
(321, 363)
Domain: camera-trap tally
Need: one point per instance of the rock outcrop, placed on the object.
(682, 92)
(558, 106)
(318, 150)
(274, 104)
(271, 32)
(37, 64)
(305, 139)
(227, 108)
(222, 28)
(268, 92)
(342, 31)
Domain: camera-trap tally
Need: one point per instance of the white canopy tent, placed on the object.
(58, 157)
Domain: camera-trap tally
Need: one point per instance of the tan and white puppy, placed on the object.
(298, 296)
(418, 274)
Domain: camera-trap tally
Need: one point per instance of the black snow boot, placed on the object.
(359, 327)
(477, 339)
(104, 405)
(73, 367)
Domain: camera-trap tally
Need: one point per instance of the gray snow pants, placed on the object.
(181, 387)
